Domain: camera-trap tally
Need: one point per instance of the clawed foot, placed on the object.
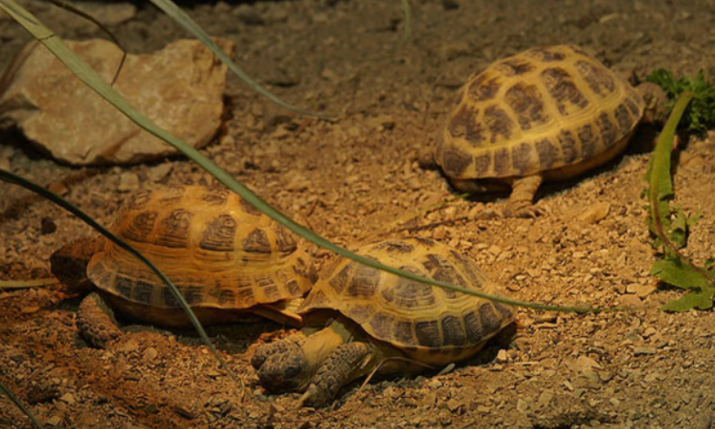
(528, 211)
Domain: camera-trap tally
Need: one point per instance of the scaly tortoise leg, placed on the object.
(278, 363)
(521, 200)
(339, 368)
(96, 321)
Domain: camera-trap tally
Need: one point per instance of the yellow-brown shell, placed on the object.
(220, 252)
(430, 324)
(535, 111)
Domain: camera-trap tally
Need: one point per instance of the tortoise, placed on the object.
(359, 319)
(548, 113)
(229, 260)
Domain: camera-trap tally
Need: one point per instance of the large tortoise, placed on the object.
(229, 260)
(370, 319)
(547, 113)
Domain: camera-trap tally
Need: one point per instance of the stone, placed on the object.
(180, 88)
(595, 213)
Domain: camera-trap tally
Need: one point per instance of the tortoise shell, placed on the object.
(430, 324)
(221, 252)
(540, 110)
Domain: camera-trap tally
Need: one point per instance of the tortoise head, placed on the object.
(283, 366)
(69, 262)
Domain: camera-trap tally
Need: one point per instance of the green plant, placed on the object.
(669, 225)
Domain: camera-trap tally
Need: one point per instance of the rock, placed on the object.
(180, 88)
(640, 351)
(67, 398)
(595, 213)
(630, 301)
(128, 182)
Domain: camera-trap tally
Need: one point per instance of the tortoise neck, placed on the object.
(322, 343)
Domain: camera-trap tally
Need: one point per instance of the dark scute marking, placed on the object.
(272, 293)
(141, 226)
(215, 196)
(525, 100)
(174, 229)
(381, 325)
(257, 242)
(608, 131)
(562, 88)
(464, 125)
(402, 333)
(359, 313)
(625, 122)
(143, 291)
(423, 241)
(364, 282)
(453, 331)
(475, 277)
(194, 295)
(248, 208)
(245, 295)
(498, 123)
(319, 300)
(265, 281)
(483, 87)
(548, 55)
(589, 140)
(515, 67)
(632, 107)
(598, 79)
(173, 194)
(226, 296)
(442, 270)
(502, 163)
(457, 126)
(219, 234)
(568, 143)
(506, 311)
(286, 242)
(427, 333)
(521, 157)
(475, 332)
(409, 293)
(123, 286)
(293, 287)
(168, 298)
(482, 163)
(491, 321)
(395, 247)
(454, 161)
(138, 200)
(548, 153)
(339, 280)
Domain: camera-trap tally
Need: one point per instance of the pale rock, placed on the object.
(595, 213)
(128, 182)
(180, 88)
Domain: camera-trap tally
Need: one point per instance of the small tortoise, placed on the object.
(542, 114)
(376, 319)
(229, 260)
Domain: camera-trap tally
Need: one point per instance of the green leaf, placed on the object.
(674, 272)
(700, 300)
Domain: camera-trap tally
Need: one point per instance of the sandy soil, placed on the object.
(640, 369)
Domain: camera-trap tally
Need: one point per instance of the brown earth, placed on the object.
(356, 179)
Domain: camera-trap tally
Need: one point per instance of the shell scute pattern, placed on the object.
(428, 323)
(217, 253)
(541, 109)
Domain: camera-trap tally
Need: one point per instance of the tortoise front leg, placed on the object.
(96, 321)
(521, 200)
(341, 367)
